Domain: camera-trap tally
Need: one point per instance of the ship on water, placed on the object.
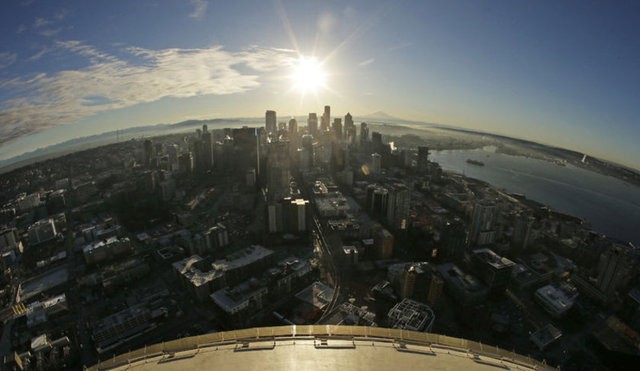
(475, 162)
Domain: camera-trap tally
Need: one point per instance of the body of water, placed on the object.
(611, 206)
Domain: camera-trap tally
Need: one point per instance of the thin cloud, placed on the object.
(367, 62)
(39, 22)
(199, 8)
(50, 32)
(7, 59)
(109, 82)
(38, 55)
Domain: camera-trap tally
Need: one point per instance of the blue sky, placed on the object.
(559, 72)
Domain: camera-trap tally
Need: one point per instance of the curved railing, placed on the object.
(275, 334)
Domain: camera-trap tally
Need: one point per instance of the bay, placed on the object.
(610, 205)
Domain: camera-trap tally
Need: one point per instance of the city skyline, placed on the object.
(559, 74)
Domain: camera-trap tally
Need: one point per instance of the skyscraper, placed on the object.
(337, 129)
(147, 151)
(326, 116)
(349, 129)
(270, 122)
(423, 159)
(398, 206)
(312, 124)
(615, 269)
(376, 164)
(207, 148)
(364, 133)
(293, 129)
(484, 214)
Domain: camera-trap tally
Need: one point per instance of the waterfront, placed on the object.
(610, 205)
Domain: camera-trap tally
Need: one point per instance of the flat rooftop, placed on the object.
(321, 348)
(42, 283)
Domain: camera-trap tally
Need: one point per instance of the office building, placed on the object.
(398, 204)
(9, 240)
(364, 133)
(147, 151)
(556, 299)
(293, 129)
(216, 237)
(491, 268)
(207, 148)
(615, 268)
(336, 128)
(453, 241)
(349, 129)
(271, 122)
(483, 218)
(185, 162)
(521, 235)
(102, 250)
(42, 231)
(462, 287)
(376, 164)
(423, 159)
(312, 124)
(278, 168)
(326, 117)
(383, 241)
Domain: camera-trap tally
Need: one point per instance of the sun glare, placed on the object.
(308, 75)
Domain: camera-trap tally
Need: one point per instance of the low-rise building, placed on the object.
(411, 315)
(556, 299)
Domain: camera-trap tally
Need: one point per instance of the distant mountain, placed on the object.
(379, 115)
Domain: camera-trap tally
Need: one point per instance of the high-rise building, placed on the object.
(337, 129)
(216, 237)
(615, 268)
(398, 206)
(312, 124)
(271, 122)
(349, 128)
(326, 116)
(453, 241)
(207, 148)
(482, 231)
(376, 141)
(364, 133)
(278, 168)
(307, 147)
(293, 129)
(246, 148)
(521, 232)
(377, 199)
(423, 159)
(185, 162)
(376, 164)
(383, 242)
(147, 152)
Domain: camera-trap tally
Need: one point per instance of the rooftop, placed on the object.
(493, 259)
(321, 347)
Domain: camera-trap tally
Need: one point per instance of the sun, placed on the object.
(308, 75)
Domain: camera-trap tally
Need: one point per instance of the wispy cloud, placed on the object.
(39, 22)
(199, 8)
(367, 62)
(50, 32)
(7, 59)
(109, 82)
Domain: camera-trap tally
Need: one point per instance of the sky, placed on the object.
(564, 73)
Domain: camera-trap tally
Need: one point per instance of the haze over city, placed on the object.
(560, 73)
